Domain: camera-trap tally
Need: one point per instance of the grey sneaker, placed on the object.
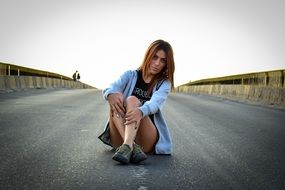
(123, 154)
(138, 154)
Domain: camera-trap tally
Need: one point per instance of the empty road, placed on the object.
(48, 140)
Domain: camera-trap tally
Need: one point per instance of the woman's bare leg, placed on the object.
(143, 133)
(131, 129)
(147, 135)
(117, 130)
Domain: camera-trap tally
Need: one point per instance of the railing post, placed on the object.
(283, 76)
(266, 79)
(9, 70)
(282, 80)
(18, 72)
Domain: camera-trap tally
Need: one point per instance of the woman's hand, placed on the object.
(133, 116)
(116, 102)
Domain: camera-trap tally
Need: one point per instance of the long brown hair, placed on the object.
(167, 73)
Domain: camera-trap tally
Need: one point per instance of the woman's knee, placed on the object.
(132, 100)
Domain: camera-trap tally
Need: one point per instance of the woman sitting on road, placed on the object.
(136, 125)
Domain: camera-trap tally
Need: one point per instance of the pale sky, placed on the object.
(103, 38)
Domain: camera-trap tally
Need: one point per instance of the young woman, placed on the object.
(136, 125)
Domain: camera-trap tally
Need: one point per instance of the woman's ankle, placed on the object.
(130, 145)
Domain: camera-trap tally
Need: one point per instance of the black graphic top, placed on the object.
(140, 90)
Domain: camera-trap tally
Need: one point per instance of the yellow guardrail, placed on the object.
(261, 87)
(14, 77)
(273, 78)
(7, 69)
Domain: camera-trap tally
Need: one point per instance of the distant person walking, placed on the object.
(76, 76)
(136, 125)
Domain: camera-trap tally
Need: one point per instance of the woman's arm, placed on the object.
(157, 100)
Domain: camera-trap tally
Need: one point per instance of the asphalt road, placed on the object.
(48, 140)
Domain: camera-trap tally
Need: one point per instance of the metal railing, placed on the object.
(273, 78)
(15, 70)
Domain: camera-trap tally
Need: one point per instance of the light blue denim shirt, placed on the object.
(125, 84)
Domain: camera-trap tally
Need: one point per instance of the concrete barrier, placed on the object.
(7, 69)
(14, 83)
(264, 87)
(271, 95)
(268, 78)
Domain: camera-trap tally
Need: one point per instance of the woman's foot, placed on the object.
(138, 154)
(123, 154)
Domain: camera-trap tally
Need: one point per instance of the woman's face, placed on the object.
(158, 62)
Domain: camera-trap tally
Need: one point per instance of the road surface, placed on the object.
(49, 141)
